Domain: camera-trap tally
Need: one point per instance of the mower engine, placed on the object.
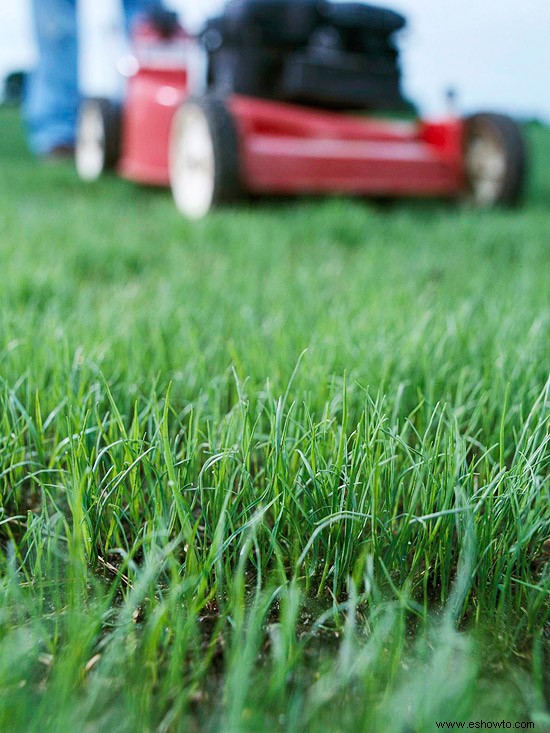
(324, 54)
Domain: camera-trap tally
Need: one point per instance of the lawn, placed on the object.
(287, 469)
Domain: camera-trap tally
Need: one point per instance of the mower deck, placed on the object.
(286, 148)
(293, 149)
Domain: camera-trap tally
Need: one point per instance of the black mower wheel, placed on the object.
(97, 138)
(496, 160)
(204, 157)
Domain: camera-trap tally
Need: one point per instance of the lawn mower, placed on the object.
(300, 97)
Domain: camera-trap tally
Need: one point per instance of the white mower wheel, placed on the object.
(495, 160)
(97, 138)
(203, 157)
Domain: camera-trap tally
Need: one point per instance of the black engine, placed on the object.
(314, 52)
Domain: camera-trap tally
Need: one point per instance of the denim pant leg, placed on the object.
(133, 9)
(52, 93)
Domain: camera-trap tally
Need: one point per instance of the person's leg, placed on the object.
(133, 9)
(51, 103)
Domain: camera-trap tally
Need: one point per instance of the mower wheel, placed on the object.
(204, 157)
(97, 138)
(495, 158)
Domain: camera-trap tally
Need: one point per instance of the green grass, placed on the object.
(283, 470)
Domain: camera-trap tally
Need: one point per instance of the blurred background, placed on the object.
(495, 53)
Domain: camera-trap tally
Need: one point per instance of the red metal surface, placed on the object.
(155, 91)
(290, 149)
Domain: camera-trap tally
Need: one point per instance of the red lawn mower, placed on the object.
(302, 97)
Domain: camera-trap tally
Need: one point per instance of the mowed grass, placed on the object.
(283, 470)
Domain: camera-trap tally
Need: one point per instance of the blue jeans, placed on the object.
(52, 97)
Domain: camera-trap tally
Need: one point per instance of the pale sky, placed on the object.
(496, 53)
